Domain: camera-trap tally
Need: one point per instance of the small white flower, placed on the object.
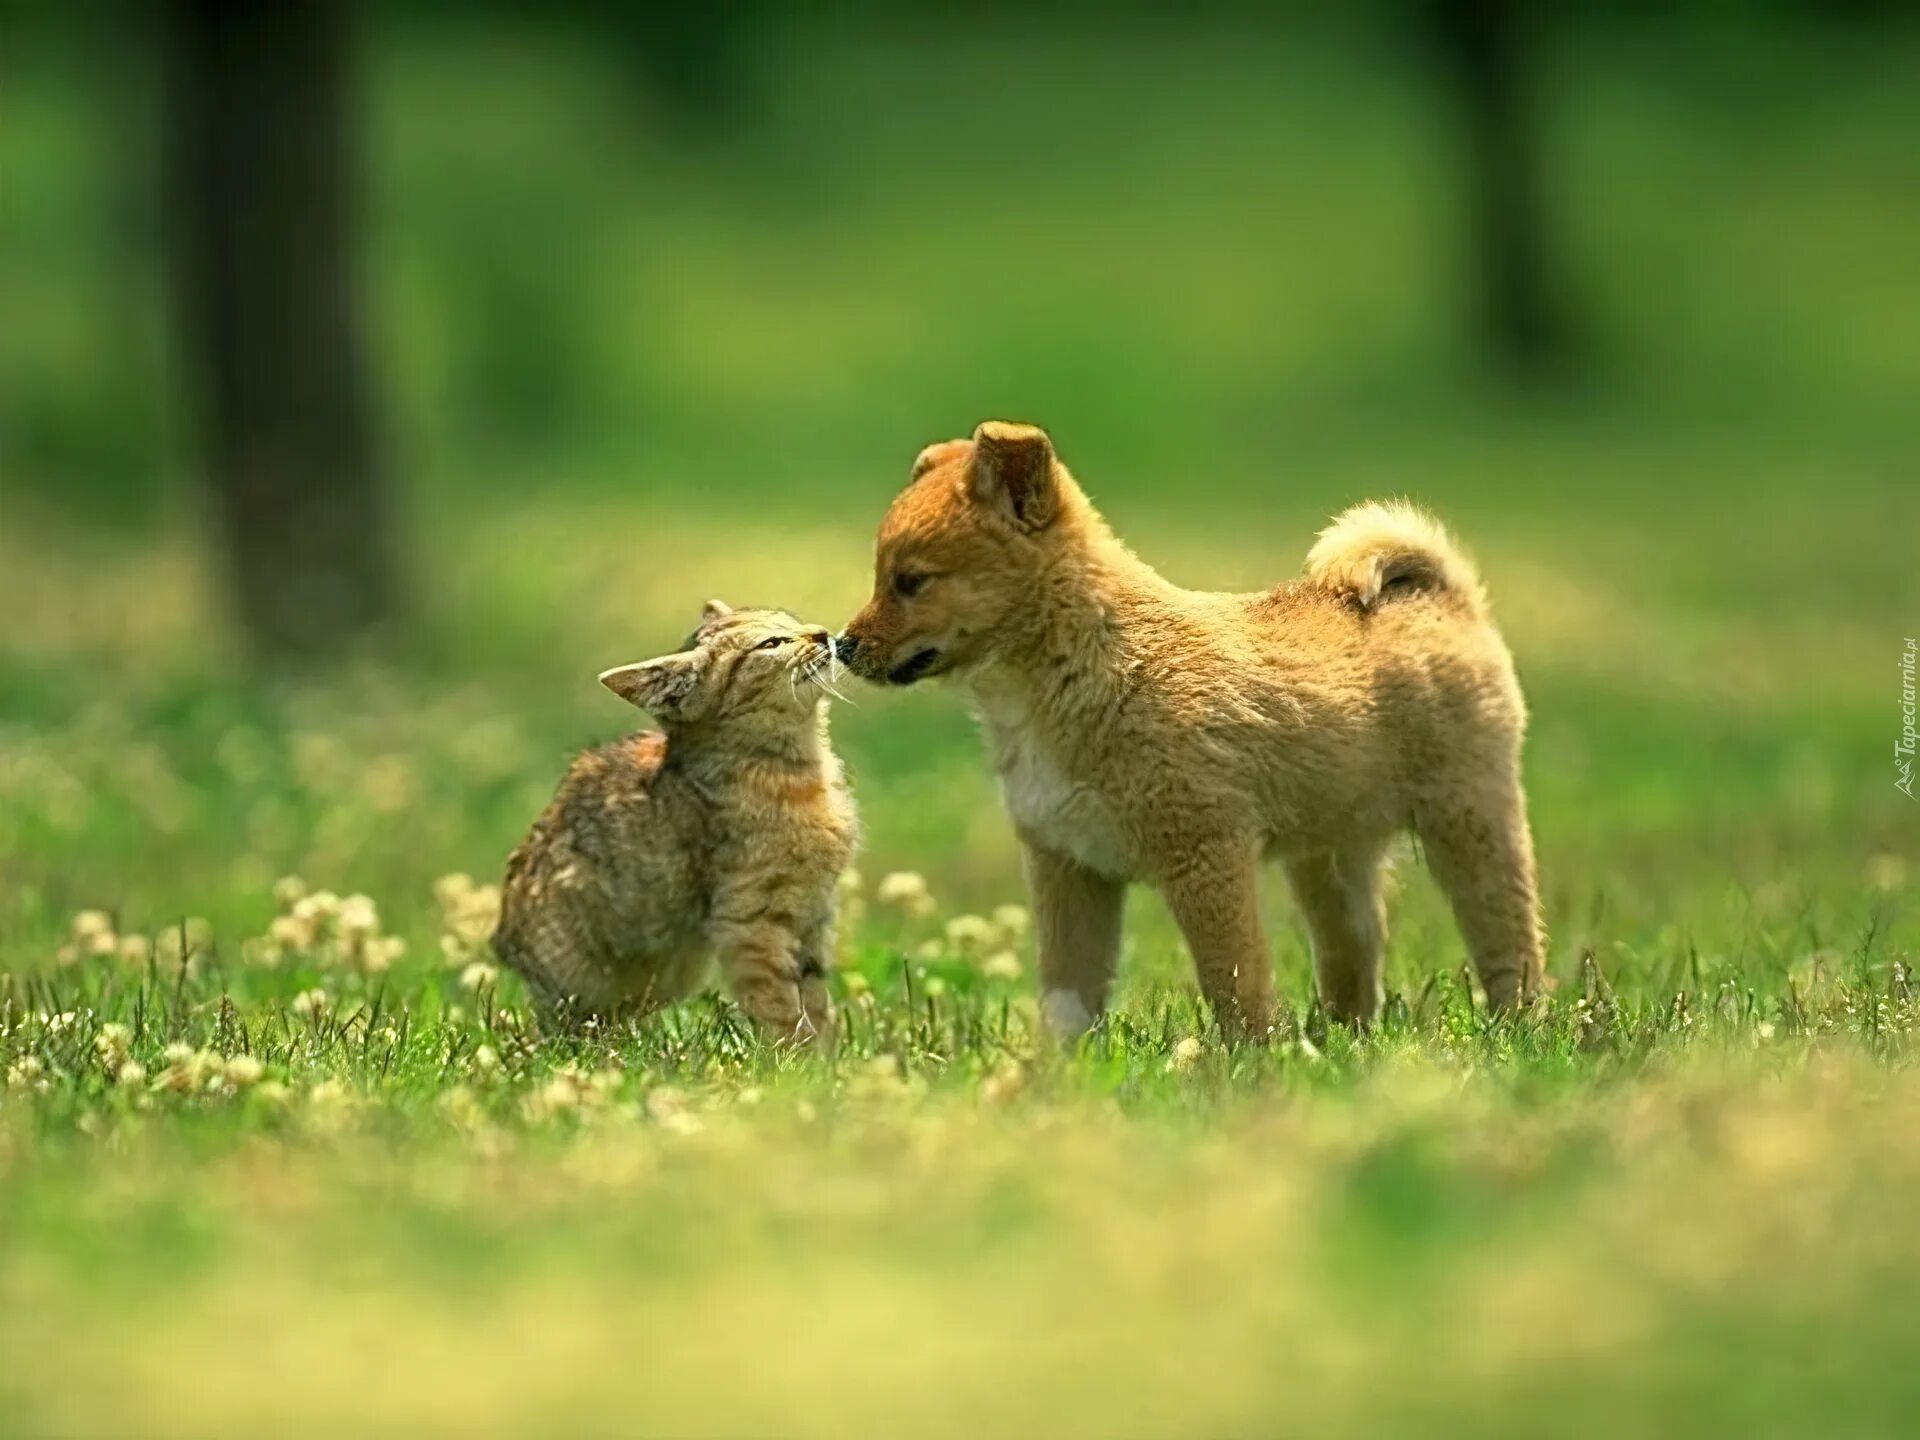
(970, 934)
(24, 1072)
(1013, 920)
(358, 917)
(477, 974)
(89, 923)
(1185, 1056)
(111, 1043)
(1004, 965)
(242, 1071)
(905, 891)
(131, 1075)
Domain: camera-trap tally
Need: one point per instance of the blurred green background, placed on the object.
(372, 376)
(643, 306)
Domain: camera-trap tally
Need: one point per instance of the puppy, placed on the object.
(1143, 732)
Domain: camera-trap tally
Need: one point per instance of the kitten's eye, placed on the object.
(909, 583)
(772, 642)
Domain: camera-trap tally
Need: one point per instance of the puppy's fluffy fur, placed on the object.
(1143, 732)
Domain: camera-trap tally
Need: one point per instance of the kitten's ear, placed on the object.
(936, 455)
(1013, 472)
(714, 610)
(660, 686)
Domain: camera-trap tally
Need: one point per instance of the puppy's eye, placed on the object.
(909, 583)
(772, 642)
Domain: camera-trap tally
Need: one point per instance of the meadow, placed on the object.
(280, 1148)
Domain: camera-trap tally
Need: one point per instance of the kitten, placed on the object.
(719, 836)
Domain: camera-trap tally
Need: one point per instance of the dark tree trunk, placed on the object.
(1484, 54)
(261, 190)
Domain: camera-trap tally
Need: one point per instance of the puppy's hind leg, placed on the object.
(1480, 851)
(1341, 896)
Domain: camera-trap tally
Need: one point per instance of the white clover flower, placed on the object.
(358, 916)
(380, 953)
(88, 923)
(288, 891)
(667, 1107)
(310, 1002)
(970, 934)
(848, 882)
(1002, 965)
(103, 942)
(136, 949)
(112, 1042)
(131, 1075)
(477, 974)
(292, 932)
(54, 1024)
(929, 950)
(1005, 1083)
(905, 891)
(242, 1071)
(1013, 920)
(1185, 1056)
(486, 1060)
(559, 1096)
(178, 1053)
(317, 910)
(461, 1106)
(271, 1092)
(24, 1071)
(191, 1071)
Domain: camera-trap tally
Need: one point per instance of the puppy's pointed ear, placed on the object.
(1014, 472)
(936, 455)
(660, 686)
(714, 610)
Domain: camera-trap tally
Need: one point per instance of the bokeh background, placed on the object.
(372, 376)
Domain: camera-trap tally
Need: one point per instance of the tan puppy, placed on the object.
(1145, 732)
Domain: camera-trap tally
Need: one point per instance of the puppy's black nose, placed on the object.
(844, 648)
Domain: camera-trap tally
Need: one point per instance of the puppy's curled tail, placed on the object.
(1382, 549)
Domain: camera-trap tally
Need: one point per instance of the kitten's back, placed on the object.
(574, 903)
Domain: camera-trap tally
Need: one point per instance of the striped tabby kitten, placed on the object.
(719, 836)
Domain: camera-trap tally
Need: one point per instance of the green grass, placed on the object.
(1675, 1198)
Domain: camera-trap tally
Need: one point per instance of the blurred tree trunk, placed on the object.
(1485, 54)
(260, 189)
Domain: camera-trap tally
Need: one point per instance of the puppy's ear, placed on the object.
(660, 686)
(1013, 473)
(714, 610)
(936, 455)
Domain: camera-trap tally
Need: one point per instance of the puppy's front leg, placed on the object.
(1212, 893)
(1076, 917)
